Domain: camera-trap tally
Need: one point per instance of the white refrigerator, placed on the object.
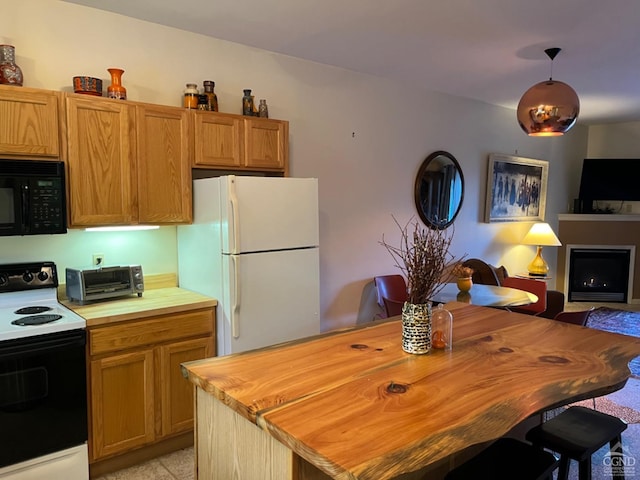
(253, 246)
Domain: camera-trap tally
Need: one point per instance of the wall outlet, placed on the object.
(98, 259)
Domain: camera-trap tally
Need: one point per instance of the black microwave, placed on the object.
(32, 197)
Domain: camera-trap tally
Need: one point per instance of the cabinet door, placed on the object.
(102, 173)
(29, 124)
(122, 402)
(218, 140)
(164, 165)
(177, 391)
(266, 143)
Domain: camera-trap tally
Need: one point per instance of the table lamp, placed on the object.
(541, 235)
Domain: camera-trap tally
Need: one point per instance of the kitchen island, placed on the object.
(352, 405)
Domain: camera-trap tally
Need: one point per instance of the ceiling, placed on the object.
(488, 50)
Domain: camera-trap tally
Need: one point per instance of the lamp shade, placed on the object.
(548, 108)
(541, 234)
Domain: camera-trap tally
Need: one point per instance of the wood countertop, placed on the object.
(158, 301)
(355, 406)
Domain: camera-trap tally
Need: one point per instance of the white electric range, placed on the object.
(43, 390)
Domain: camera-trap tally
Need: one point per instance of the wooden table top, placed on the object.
(485, 296)
(358, 407)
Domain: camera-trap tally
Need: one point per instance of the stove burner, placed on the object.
(36, 319)
(32, 310)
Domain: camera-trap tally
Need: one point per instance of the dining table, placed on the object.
(351, 404)
(485, 296)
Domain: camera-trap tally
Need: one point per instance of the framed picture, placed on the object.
(516, 189)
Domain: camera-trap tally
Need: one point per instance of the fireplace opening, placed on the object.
(598, 274)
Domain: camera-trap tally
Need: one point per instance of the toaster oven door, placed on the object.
(107, 280)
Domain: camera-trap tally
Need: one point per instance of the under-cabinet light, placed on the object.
(128, 228)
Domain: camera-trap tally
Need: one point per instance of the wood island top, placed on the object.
(355, 406)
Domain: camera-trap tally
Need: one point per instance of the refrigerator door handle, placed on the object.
(233, 202)
(236, 295)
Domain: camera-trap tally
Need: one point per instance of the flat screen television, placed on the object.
(610, 179)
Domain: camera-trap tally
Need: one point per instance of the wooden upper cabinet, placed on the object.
(218, 140)
(29, 122)
(101, 158)
(129, 163)
(237, 143)
(266, 143)
(164, 165)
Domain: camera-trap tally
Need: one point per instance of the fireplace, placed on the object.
(600, 274)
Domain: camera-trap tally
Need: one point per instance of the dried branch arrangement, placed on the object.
(422, 256)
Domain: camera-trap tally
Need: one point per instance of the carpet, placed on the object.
(618, 321)
(604, 405)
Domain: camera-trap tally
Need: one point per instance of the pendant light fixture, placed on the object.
(549, 108)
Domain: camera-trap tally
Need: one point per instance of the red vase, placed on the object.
(116, 90)
(10, 73)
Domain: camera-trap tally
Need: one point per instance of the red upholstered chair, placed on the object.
(392, 293)
(577, 318)
(537, 287)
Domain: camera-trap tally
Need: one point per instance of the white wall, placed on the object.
(363, 137)
(614, 140)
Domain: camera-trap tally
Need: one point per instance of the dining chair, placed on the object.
(392, 293)
(537, 287)
(485, 274)
(577, 318)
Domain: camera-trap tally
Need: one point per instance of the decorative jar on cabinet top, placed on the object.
(116, 90)
(212, 98)
(10, 72)
(247, 103)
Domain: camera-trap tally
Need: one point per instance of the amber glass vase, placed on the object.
(464, 283)
(116, 90)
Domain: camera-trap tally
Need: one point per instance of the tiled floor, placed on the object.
(173, 466)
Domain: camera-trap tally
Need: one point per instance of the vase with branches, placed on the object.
(424, 258)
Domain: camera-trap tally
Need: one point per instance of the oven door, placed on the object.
(12, 217)
(43, 395)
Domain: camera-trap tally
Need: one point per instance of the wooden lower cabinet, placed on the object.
(122, 402)
(138, 396)
(177, 394)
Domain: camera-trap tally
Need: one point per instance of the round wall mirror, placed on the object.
(439, 190)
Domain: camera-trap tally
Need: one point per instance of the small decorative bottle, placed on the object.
(212, 98)
(116, 90)
(442, 328)
(191, 96)
(263, 110)
(10, 73)
(247, 103)
(203, 102)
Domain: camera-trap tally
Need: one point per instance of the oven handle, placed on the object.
(23, 347)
